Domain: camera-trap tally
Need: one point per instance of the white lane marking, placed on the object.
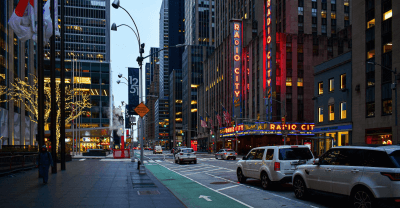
(192, 170)
(262, 190)
(158, 161)
(82, 159)
(145, 162)
(192, 173)
(211, 188)
(205, 197)
(227, 187)
(116, 160)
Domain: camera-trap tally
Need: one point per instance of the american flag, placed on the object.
(226, 116)
(203, 123)
(211, 121)
(218, 118)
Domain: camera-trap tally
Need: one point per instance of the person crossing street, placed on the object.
(44, 161)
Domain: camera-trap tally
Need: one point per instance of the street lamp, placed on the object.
(119, 82)
(116, 5)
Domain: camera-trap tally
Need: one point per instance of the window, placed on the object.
(387, 107)
(370, 109)
(320, 88)
(295, 154)
(343, 81)
(333, 15)
(251, 155)
(387, 15)
(329, 158)
(377, 159)
(299, 82)
(323, 14)
(343, 110)
(300, 10)
(288, 81)
(259, 154)
(371, 54)
(331, 112)
(370, 23)
(387, 47)
(320, 114)
(331, 85)
(270, 154)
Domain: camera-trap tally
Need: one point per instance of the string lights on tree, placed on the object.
(25, 93)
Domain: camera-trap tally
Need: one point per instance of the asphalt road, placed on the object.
(220, 176)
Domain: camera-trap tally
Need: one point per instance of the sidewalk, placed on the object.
(88, 183)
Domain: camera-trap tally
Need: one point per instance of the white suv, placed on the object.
(185, 155)
(273, 163)
(363, 173)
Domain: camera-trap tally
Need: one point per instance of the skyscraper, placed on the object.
(169, 59)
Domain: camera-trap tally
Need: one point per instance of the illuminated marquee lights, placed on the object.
(272, 127)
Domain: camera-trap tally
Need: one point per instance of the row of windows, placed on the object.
(331, 112)
(332, 84)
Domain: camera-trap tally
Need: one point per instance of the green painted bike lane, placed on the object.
(189, 191)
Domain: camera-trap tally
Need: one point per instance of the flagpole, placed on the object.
(53, 112)
(40, 53)
(62, 88)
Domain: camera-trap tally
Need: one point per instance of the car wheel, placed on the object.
(234, 158)
(265, 182)
(300, 189)
(362, 198)
(195, 162)
(216, 157)
(241, 178)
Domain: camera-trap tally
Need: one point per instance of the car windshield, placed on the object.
(187, 150)
(396, 157)
(295, 154)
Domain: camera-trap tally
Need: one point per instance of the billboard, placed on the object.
(133, 91)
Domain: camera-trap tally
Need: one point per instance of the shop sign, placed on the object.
(133, 92)
(104, 143)
(237, 66)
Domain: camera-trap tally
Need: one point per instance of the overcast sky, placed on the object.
(124, 46)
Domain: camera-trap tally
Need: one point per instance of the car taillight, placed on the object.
(194, 152)
(397, 200)
(277, 166)
(392, 176)
(235, 153)
(181, 153)
(293, 146)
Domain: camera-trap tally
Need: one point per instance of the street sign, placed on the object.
(142, 110)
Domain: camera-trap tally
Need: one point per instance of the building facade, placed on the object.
(172, 30)
(332, 104)
(274, 44)
(151, 99)
(175, 103)
(17, 60)
(87, 44)
(375, 43)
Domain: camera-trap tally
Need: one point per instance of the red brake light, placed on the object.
(294, 146)
(225, 153)
(181, 153)
(235, 153)
(392, 176)
(277, 166)
(397, 200)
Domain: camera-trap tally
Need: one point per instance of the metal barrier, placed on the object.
(17, 162)
(118, 154)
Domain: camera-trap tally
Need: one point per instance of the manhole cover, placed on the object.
(148, 192)
(220, 182)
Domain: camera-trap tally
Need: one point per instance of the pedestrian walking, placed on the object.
(44, 161)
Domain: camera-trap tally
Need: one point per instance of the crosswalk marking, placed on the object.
(158, 161)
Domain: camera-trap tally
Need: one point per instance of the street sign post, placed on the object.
(142, 110)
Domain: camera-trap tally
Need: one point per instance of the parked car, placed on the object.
(226, 154)
(273, 163)
(365, 174)
(157, 150)
(185, 155)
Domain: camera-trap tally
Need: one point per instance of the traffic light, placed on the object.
(213, 136)
(283, 120)
(165, 125)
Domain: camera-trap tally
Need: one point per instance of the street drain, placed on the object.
(220, 182)
(148, 192)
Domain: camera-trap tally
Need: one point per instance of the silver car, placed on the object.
(226, 154)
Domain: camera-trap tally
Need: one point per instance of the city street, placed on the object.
(220, 177)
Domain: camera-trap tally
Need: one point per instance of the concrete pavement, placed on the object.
(87, 183)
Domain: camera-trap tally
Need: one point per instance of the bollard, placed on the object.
(138, 164)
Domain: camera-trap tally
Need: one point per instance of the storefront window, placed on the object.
(320, 88)
(320, 115)
(343, 138)
(331, 85)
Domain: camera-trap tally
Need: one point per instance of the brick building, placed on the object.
(275, 75)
